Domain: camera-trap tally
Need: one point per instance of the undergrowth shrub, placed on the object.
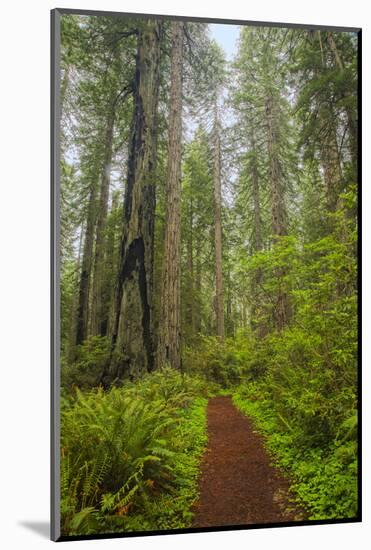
(305, 401)
(224, 363)
(310, 419)
(129, 456)
(86, 371)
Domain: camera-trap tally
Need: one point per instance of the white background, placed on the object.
(24, 272)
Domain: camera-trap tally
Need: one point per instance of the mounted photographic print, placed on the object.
(205, 251)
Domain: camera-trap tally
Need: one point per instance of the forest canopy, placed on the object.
(208, 244)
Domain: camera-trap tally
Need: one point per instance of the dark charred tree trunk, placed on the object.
(282, 313)
(98, 321)
(132, 337)
(168, 351)
(219, 294)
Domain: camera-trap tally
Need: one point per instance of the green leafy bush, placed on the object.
(127, 451)
(87, 369)
(222, 363)
(318, 451)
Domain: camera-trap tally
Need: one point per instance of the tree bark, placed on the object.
(168, 351)
(331, 168)
(86, 268)
(113, 238)
(351, 115)
(278, 209)
(329, 152)
(98, 325)
(197, 287)
(132, 338)
(189, 297)
(219, 293)
(74, 306)
(190, 312)
(282, 312)
(256, 310)
(258, 238)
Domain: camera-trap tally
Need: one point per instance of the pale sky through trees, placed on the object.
(226, 36)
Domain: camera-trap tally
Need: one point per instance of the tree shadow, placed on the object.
(42, 528)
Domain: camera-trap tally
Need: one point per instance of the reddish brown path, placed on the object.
(238, 485)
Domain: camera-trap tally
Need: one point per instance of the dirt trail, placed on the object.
(238, 485)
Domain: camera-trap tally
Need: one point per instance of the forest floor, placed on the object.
(238, 485)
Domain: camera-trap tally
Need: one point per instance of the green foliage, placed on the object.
(138, 464)
(323, 468)
(87, 370)
(221, 363)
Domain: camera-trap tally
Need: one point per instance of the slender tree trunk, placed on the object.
(169, 332)
(256, 310)
(86, 268)
(197, 287)
(258, 239)
(329, 151)
(132, 338)
(330, 161)
(229, 322)
(278, 209)
(190, 312)
(351, 114)
(112, 261)
(73, 323)
(219, 294)
(97, 317)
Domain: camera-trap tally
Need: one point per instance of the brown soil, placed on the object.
(238, 485)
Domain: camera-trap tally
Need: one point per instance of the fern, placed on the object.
(123, 452)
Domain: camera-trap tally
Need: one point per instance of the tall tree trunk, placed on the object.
(229, 321)
(282, 313)
(97, 317)
(73, 323)
(351, 114)
(169, 332)
(219, 294)
(190, 311)
(331, 167)
(86, 268)
(278, 209)
(113, 236)
(197, 287)
(132, 338)
(256, 310)
(329, 152)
